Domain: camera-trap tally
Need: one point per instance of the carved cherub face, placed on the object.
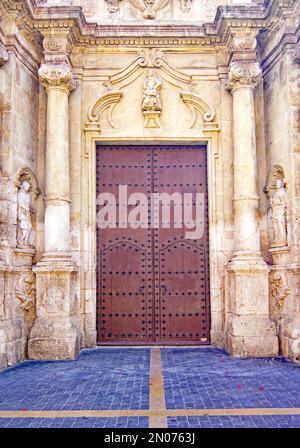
(25, 185)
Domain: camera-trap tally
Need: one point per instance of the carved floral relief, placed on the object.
(279, 289)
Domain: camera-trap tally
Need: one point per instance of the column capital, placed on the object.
(56, 76)
(243, 75)
(3, 54)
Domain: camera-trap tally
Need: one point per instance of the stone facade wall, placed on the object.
(281, 92)
(18, 154)
(75, 82)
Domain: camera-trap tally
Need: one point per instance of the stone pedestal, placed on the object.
(23, 256)
(290, 339)
(54, 334)
(285, 304)
(249, 329)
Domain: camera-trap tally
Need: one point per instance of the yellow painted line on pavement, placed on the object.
(157, 391)
(152, 413)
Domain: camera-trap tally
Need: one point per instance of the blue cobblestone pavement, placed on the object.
(236, 421)
(81, 422)
(98, 379)
(112, 379)
(210, 379)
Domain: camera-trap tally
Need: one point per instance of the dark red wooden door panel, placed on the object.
(152, 284)
(181, 265)
(124, 286)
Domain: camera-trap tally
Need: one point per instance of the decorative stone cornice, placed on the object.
(3, 54)
(61, 76)
(34, 16)
(243, 75)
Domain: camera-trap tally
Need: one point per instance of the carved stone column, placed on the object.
(250, 331)
(4, 212)
(54, 334)
(58, 82)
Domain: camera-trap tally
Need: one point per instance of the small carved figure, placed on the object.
(24, 214)
(26, 291)
(113, 6)
(278, 203)
(149, 8)
(185, 5)
(279, 289)
(151, 100)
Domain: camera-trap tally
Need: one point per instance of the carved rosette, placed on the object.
(3, 54)
(243, 75)
(61, 76)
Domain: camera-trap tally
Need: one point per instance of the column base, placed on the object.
(290, 340)
(53, 338)
(55, 333)
(251, 336)
(249, 330)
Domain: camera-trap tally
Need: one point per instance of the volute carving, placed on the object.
(52, 75)
(243, 75)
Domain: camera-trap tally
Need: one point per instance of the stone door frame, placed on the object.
(88, 274)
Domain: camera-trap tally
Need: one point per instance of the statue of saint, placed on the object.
(278, 203)
(151, 100)
(24, 214)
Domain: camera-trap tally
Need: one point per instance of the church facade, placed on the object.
(174, 96)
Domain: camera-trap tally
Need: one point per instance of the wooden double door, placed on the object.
(152, 283)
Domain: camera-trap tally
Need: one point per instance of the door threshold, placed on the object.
(152, 346)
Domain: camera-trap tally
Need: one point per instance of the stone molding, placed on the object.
(243, 75)
(56, 76)
(3, 54)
